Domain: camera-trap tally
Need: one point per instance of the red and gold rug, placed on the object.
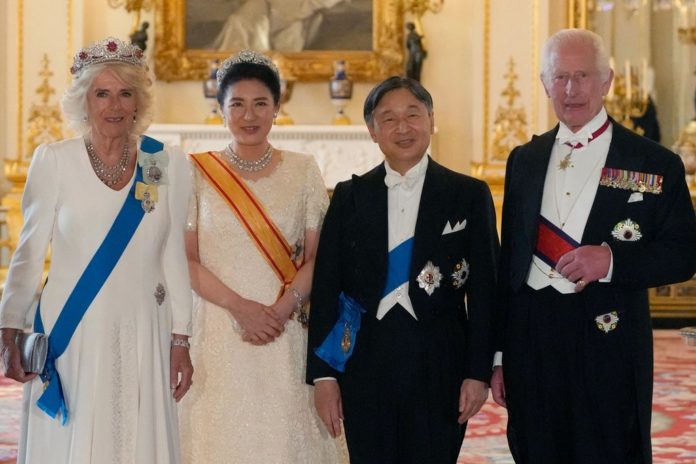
(674, 413)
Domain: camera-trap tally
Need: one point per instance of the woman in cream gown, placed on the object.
(249, 403)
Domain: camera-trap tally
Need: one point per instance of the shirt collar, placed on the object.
(564, 134)
(412, 176)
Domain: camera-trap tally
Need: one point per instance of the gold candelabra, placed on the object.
(628, 97)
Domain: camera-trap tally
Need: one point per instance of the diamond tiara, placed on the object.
(245, 56)
(110, 49)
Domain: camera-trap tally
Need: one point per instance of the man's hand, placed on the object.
(11, 360)
(472, 394)
(327, 400)
(584, 265)
(498, 386)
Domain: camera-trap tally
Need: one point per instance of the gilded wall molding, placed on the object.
(577, 14)
(20, 78)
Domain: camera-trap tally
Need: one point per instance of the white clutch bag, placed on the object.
(33, 349)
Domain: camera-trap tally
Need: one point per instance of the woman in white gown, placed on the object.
(127, 360)
(253, 228)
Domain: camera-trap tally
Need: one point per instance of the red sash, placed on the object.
(552, 242)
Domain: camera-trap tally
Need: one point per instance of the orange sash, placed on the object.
(250, 213)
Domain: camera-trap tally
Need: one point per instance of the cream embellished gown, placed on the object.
(249, 404)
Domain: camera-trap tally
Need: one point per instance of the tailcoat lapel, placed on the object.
(602, 215)
(534, 177)
(431, 220)
(371, 208)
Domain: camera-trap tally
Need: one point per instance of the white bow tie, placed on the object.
(392, 179)
(574, 139)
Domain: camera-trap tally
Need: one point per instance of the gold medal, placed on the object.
(345, 340)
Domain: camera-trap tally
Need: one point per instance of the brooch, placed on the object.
(298, 252)
(460, 274)
(160, 293)
(607, 322)
(631, 180)
(147, 194)
(626, 231)
(154, 167)
(429, 278)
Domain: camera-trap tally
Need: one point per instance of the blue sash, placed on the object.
(338, 345)
(52, 401)
(399, 266)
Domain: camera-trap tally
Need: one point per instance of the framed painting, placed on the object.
(305, 37)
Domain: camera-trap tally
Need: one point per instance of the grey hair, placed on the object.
(566, 37)
(74, 101)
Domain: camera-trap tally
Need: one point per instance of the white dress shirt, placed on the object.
(569, 193)
(403, 199)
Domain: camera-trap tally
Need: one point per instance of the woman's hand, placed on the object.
(180, 369)
(259, 323)
(11, 360)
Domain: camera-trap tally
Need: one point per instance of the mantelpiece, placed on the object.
(340, 151)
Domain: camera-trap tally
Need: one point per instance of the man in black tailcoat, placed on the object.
(415, 246)
(593, 216)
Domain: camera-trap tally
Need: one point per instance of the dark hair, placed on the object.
(248, 71)
(393, 83)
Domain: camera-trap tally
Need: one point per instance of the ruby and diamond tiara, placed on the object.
(108, 50)
(245, 56)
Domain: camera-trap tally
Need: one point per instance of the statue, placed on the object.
(139, 37)
(416, 53)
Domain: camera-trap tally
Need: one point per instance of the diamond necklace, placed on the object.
(246, 165)
(110, 175)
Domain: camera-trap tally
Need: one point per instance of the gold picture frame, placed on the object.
(173, 61)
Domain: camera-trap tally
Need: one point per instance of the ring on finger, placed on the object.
(581, 283)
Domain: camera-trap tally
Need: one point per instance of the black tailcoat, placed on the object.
(452, 337)
(665, 254)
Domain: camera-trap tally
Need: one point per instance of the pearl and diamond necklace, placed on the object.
(246, 165)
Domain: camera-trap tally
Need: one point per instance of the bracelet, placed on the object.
(299, 300)
(181, 342)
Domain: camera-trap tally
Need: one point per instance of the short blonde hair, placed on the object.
(74, 102)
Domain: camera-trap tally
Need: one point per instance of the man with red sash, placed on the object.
(593, 215)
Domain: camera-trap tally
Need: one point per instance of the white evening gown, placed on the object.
(249, 404)
(115, 371)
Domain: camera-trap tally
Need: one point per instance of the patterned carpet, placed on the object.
(674, 413)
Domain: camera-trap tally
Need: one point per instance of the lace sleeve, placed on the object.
(316, 198)
(192, 218)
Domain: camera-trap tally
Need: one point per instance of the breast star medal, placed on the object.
(626, 231)
(607, 322)
(566, 162)
(460, 274)
(429, 278)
